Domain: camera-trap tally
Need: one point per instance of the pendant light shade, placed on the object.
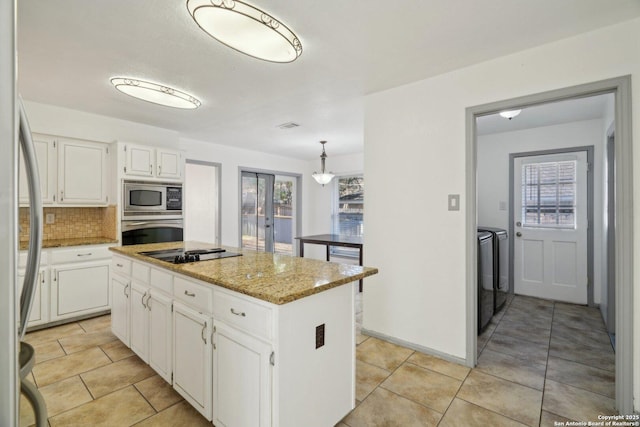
(323, 177)
(246, 29)
(510, 114)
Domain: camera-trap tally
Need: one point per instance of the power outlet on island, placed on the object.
(319, 336)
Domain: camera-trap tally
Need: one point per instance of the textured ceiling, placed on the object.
(68, 50)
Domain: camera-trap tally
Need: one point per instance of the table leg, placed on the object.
(360, 259)
(328, 253)
(301, 249)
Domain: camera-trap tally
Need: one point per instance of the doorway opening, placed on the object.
(202, 201)
(622, 173)
(269, 211)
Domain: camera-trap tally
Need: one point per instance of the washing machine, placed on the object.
(485, 279)
(500, 266)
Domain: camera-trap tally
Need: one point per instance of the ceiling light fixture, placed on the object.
(509, 114)
(323, 177)
(155, 93)
(246, 29)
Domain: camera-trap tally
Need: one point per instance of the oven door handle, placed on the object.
(137, 225)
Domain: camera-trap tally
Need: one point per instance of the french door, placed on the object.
(257, 211)
(550, 226)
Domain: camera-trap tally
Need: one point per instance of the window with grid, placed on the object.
(348, 213)
(549, 194)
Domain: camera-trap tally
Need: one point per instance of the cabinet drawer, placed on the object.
(22, 258)
(161, 280)
(242, 313)
(193, 294)
(81, 254)
(121, 265)
(140, 272)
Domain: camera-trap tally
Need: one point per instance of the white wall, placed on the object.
(415, 152)
(493, 173)
(200, 195)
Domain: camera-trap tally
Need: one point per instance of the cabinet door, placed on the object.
(139, 337)
(120, 292)
(39, 309)
(160, 334)
(168, 164)
(192, 361)
(139, 160)
(241, 379)
(82, 172)
(46, 157)
(78, 289)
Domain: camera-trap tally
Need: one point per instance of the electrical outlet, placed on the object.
(50, 218)
(454, 202)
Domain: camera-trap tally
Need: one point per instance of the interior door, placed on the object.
(257, 211)
(550, 225)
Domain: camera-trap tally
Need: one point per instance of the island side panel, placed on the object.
(315, 386)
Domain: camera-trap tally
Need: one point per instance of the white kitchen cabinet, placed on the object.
(192, 358)
(241, 378)
(79, 289)
(120, 308)
(160, 334)
(139, 316)
(45, 149)
(139, 160)
(150, 162)
(40, 306)
(82, 172)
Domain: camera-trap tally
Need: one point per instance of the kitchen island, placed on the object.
(259, 339)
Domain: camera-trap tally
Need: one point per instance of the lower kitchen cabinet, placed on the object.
(241, 378)
(192, 361)
(160, 334)
(120, 292)
(139, 316)
(78, 289)
(40, 306)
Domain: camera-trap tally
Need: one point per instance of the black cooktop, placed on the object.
(181, 256)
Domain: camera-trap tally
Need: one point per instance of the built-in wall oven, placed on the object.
(151, 212)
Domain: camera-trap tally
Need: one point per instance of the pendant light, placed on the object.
(246, 28)
(323, 177)
(510, 114)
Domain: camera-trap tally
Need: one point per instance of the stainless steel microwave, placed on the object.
(142, 198)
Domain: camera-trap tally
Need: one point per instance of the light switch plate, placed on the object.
(50, 218)
(454, 202)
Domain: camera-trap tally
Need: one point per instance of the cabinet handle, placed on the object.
(119, 265)
(189, 294)
(149, 302)
(238, 313)
(142, 300)
(87, 254)
(213, 331)
(150, 168)
(61, 195)
(125, 290)
(159, 169)
(204, 328)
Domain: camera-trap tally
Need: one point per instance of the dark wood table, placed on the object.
(333, 240)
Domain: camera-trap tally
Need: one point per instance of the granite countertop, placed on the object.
(61, 243)
(274, 278)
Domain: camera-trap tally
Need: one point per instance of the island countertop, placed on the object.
(274, 278)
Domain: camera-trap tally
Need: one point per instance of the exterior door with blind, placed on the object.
(257, 211)
(550, 226)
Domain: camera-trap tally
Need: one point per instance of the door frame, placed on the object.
(590, 197)
(298, 204)
(621, 88)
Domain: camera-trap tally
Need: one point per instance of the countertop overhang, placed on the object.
(275, 278)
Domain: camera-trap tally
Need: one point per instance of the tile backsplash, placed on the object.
(73, 223)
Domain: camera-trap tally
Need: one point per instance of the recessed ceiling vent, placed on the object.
(288, 125)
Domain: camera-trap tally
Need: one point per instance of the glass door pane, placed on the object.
(284, 213)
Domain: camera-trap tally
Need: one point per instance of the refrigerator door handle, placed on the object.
(35, 221)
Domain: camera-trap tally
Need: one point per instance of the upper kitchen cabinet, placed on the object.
(45, 148)
(83, 172)
(72, 172)
(149, 162)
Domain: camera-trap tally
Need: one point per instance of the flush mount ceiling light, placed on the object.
(509, 114)
(246, 29)
(153, 92)
(323, 177)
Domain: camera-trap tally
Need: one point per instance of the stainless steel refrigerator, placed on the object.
(15, 305)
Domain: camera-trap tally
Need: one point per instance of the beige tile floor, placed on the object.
(539, 362)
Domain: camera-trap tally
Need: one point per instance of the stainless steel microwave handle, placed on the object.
(35, 221)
